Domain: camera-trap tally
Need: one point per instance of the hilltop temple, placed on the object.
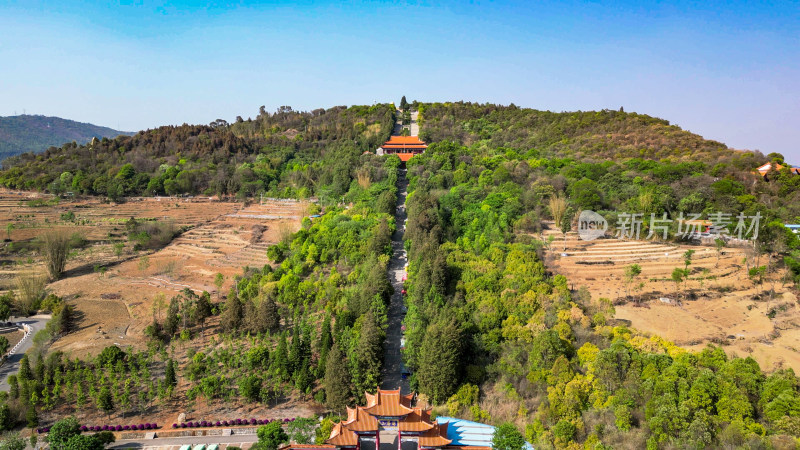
(403, 146)
(389, 421)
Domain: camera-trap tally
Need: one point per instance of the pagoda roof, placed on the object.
(342, 437)
(435, 437)
(359, 420)
(419, 420)
(388, 403)
(764, 169)
(399, 142)
(404, 156)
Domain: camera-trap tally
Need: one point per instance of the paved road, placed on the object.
(393, 359)
(243, 440)
(11, 366)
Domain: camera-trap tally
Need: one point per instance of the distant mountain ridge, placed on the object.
(35, 133)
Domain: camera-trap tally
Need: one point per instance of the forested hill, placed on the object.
(296, 154)
(287, 153)
(27, 133)
(590, 135)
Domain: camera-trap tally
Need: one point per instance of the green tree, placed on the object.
(13, 442)
(83, 442)
(301, 430)
(440, 360)
(105, 401)
(55, 248)
(5, 307)
(337, 380)
(678, 277)
(631, 272)
(268, 315)
(31, 417)
(62, 431)
(368, 354)
(250, 387)
(324, 345)
(219, 280)
(280, 365)
(6, 420)
(25, 372)
(231, 319)
(173, 316)
(270, 436)
(324, 431)
(507, 437)
(4, 345)
(169, 373)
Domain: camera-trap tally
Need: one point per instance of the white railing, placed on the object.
(28, 330)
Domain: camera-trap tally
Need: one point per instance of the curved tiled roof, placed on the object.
(360, 420)
(418, 420)
(387, 403)
(435, 437)
(342, 437)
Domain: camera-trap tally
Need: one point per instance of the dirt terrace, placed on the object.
(113, 294)
(719, 304)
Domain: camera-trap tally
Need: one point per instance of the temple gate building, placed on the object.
(403, 146)
(390, 421)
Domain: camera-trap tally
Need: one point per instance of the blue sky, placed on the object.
(729, 71)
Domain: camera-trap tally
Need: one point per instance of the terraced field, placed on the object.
(719, 303)
(113, 291)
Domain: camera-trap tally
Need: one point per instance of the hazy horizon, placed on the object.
(726, 71)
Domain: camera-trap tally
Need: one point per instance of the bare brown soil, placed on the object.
(113, 294)
(719, 304)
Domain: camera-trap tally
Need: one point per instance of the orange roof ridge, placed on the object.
(388, 404)
(342, 437)
(435, 437)
(363, 421)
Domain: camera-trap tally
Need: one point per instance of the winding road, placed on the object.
(11, 365)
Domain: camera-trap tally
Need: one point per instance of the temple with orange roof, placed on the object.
(403, 146)
(766, 168)
(389, 421)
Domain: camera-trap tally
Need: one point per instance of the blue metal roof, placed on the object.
(467, 432)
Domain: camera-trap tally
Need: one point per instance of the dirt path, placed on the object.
(393, 358)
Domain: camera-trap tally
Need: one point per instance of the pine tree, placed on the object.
(203, 309)
(368, 354)
(169, 373)
(403, 103)
(173, 317)
(295, 351)
(324, 345)
(25, 372)
(232, 316)
(105, 400)
(13, 384)
(337, 380)
(268, 315)
(440, 361)
(31, 417)
(280, 360)
(65, 320)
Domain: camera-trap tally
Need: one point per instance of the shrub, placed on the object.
(55, 248)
